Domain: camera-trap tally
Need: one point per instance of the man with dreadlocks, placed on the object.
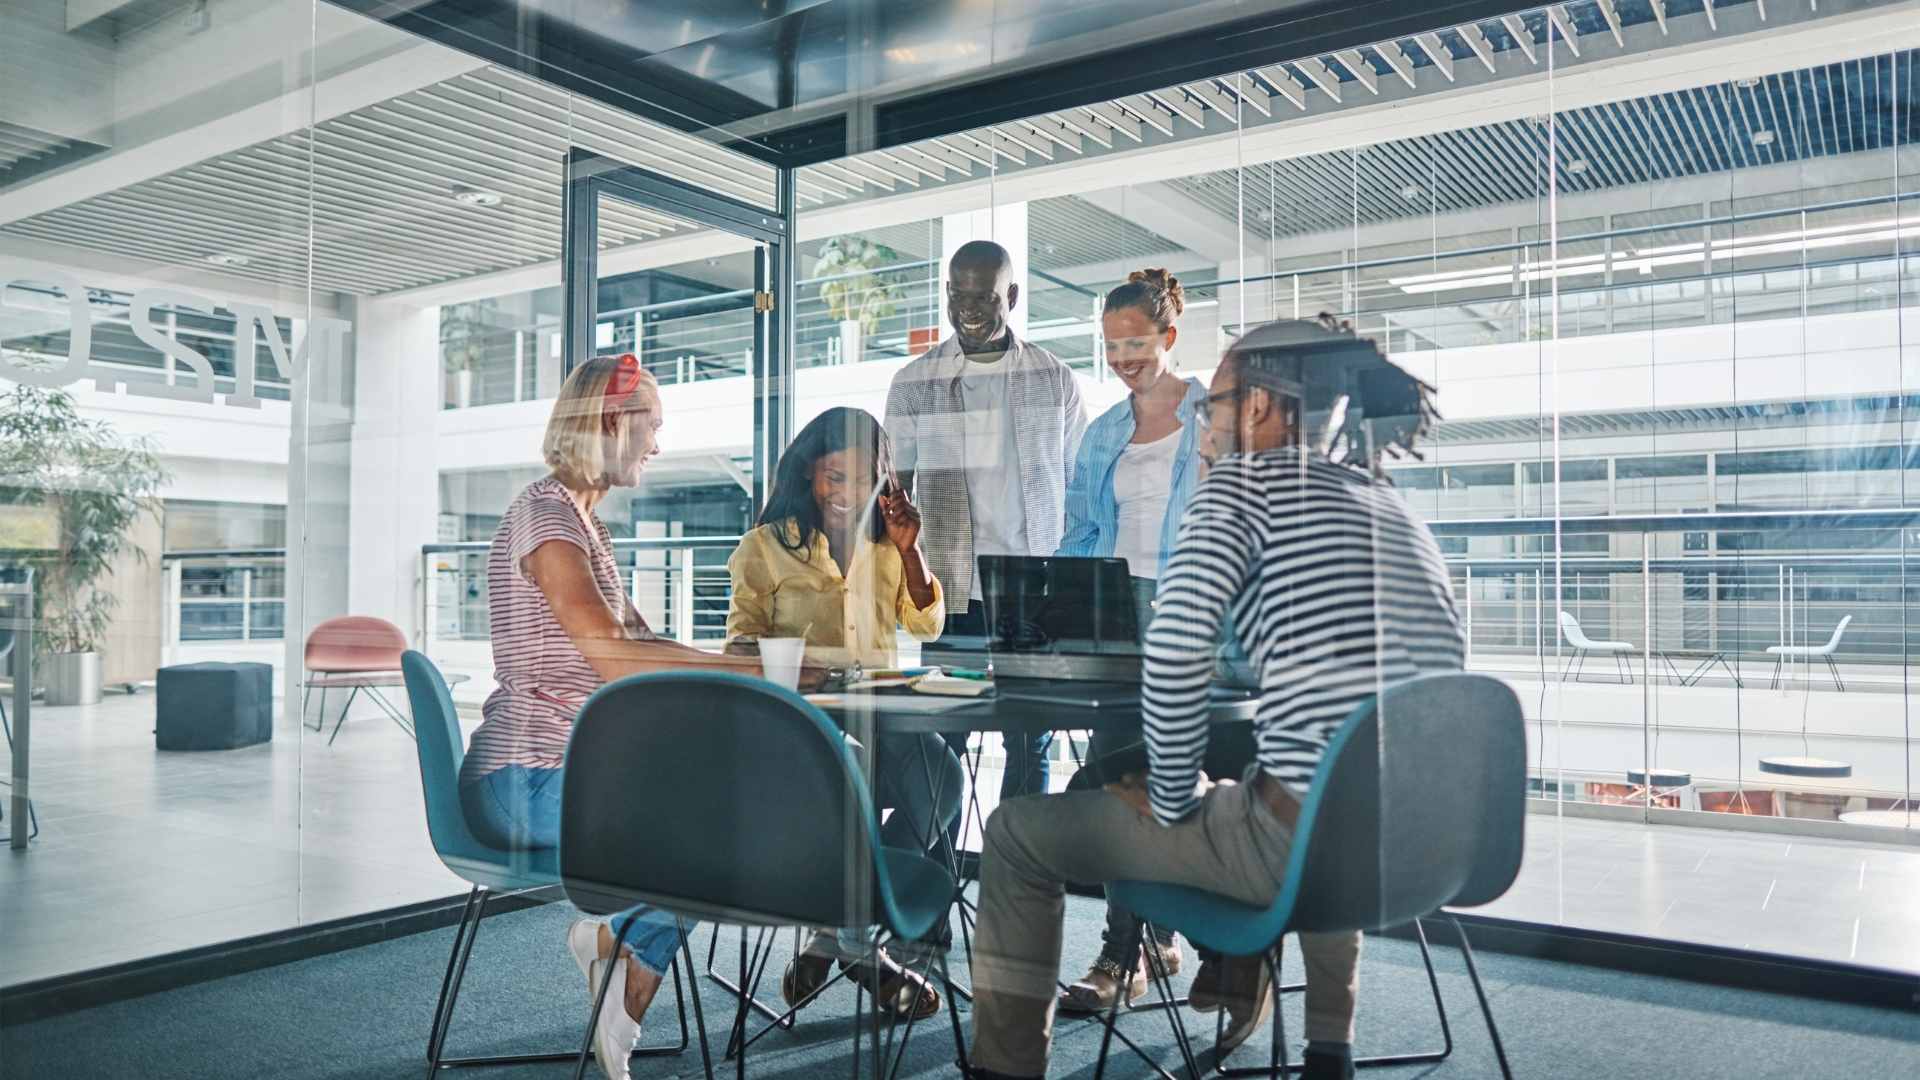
(1335, 590)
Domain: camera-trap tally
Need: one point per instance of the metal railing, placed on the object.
(679, 585)
(225, 595)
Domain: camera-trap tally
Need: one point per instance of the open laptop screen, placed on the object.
(1053, 617)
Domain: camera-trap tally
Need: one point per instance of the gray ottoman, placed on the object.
(213, 706)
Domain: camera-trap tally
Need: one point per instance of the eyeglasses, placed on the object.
(1205, 418)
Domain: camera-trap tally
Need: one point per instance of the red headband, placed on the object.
(626, 379)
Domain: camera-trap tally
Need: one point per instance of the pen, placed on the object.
(968, 673)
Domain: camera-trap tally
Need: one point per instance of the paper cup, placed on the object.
(780, 658)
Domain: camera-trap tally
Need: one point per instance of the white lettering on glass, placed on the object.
(325, 338)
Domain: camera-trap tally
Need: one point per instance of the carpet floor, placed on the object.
(364, 1013)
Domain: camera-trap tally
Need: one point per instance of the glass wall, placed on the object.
(298, 328)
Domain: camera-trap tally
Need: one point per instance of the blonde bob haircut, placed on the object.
(577, 446)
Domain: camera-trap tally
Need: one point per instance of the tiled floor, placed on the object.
(145, 853)
(142, 853)
(1834, 900)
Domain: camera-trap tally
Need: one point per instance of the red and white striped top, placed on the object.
(543, 680)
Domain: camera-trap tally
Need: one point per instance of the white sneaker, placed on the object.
(583, 941)
(616, 1033)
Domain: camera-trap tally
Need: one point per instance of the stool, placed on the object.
(213, 706)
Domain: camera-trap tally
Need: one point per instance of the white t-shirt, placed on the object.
(993, 463)
(1142, 484)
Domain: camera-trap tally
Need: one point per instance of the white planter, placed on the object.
(463, 388)
(73, 678)
(853, 341)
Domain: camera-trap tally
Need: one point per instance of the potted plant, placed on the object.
(96, 483)
(463, 333)
(854, 294)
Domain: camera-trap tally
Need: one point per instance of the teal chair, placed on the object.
(1427, 812)
(489, 869)
(726, 798)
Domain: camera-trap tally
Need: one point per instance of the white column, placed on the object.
(393, 491)
(1004, 225)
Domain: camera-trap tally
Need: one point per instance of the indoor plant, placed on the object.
(97, 482)
(853, 292)
(463, 332)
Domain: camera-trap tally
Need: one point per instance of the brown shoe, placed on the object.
(1096, 991)
(1245, 992)
(1204, 995)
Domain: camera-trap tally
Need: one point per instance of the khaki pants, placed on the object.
(1233, 845)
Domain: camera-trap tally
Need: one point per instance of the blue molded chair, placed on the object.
(487, 868)
(1425, 812)
(726, 798)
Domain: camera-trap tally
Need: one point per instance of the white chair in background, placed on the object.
(1582, 645)
(1783, 653)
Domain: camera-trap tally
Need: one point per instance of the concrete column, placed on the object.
(393, 489)
(1004, 225)
(318, 506)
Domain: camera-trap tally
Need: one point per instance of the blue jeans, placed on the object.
(518, 807)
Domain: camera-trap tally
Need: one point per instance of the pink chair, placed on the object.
(358, 653)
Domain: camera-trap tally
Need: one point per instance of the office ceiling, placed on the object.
(384, 177)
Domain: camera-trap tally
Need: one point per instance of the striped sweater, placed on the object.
(1337, 591)
(543, 679)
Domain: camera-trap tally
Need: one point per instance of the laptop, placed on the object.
(1069, 631)
(1064, 630)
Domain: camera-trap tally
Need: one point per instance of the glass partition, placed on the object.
(310, 322)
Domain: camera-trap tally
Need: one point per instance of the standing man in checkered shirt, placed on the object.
(985, 428)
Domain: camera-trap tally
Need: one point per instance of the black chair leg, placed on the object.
(1486, 1011)
(1413, 1058)
(469, 930)
(699, 1010)
(456, 959)
(1835, 672)
(320, 719)
(1775, 684)
(1163, 984)
(784, 1020)
(33, 815)
(1279, 1050)
(344, 710)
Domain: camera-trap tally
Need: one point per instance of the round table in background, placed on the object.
(1885, 819)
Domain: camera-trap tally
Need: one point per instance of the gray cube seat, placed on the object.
(213, 706)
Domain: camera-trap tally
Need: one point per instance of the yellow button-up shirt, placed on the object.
(778, 592)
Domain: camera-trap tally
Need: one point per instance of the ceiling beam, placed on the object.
(1557, 15)
(1285, 85)
(1321, 76)
(1612, 14)
(1362, 71)
(1477, 41)
(1437, 52)
(1522, 36)
(1396, 58)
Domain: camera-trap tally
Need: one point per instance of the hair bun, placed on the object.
(1157, 277)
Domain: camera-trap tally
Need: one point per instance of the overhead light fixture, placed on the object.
(472, 196)
(1747, 83)
(1763, 137)
(1410, 192)
(1577, 166)
(229, 260)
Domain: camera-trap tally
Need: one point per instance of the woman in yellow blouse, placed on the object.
(836, 560)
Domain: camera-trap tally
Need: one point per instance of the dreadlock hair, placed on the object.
(1350, 402)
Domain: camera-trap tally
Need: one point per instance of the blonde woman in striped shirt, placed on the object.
(562, 626)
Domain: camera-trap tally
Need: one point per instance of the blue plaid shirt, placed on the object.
(1093, 514)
